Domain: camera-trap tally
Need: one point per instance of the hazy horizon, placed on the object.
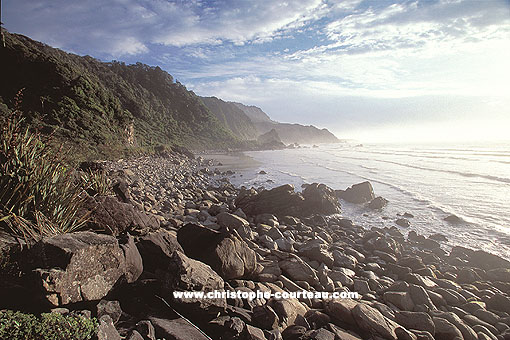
(391, 71)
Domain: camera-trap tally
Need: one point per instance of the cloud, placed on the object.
(124, 27)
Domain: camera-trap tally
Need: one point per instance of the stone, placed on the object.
(265, 317)
(499, 302)
(74, 267)
(372, 322)
(134, 262)
(342, 334)
(288, 310)
(344, 260)
(225, 219)
(479, 258)
(106, 330)
(402, 300)
(224, 251)
(317, 252)
(358, 193)
(135, 335)
(176, 329)
(283, 201)
(156, 248)
(294, 332)
(111, 308)
(416, 321)
(121, 190)
(340, 310)
(317, 319)
(186, 274)
(146, 329)
(378, 203)
(253, 333)
(320, 199)
(445, 330)
(403, 222)
(109, 215)
(298, 270)
(420, 296)
(321, 334)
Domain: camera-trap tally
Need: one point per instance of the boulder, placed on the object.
(298, 270)
(156, 248)
(402, 300)
(111, 216)
(415, 320)
(283, 201)
(226, 252)
(106, 330)
(358, 193)
(288, 310)
(280, 201)
(225, 219)
(111, 308)
(378, 203)
(177, 329)
(445, 330)
(479, 258)
(340, 311)
(134, 262)
(74, 267)
(186, 274)
(372, 322)
(318, 252)
(320, 199)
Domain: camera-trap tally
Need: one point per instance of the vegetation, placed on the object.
(38, 195)
(49, 326)
(104, 109)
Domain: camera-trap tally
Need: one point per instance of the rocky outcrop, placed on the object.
(358, 193)
(283, 201)
(81, 266)
(224, 251)
(107, 214)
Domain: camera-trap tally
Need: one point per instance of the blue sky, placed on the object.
(372, 70)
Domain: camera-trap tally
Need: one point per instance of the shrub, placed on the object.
(38, 196)
(96, 183)
(49, 326)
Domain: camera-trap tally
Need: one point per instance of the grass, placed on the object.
(38, 194)
(49, 326)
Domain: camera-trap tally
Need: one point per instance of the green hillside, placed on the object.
(104, 109)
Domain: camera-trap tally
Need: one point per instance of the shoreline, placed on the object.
(174, 225)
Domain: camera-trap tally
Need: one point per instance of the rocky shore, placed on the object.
(174, 223)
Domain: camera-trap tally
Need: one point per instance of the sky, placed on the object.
(377, 70)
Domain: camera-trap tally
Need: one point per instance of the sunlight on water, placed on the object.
(429, 181)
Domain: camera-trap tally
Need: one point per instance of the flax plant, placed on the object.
(38, 196)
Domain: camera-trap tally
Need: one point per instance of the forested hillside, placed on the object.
(104, 108)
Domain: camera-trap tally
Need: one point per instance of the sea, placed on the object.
(429, 181)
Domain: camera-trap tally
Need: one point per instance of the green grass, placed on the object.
(49, 326)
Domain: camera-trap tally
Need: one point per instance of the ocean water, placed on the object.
(429, 181)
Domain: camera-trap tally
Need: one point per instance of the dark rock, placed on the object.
(225, 219)
(176, 329)
(283, 201)
(317, 319)
(111, 308)
(135, 335)
(109, 215)
(134, 262)
(146, 329)
(378, 203)
(403, 222)
(74, 267)
(321, 334)
(372, 322)
(445, 330)
(265, 317)
(225, 252)
(415, 320)
(499, 302)
(479, 258)
(298, 270)
(253, 333)
(294, 332)
(262, 172)
(342, 334)
(156, 248)
(453, 219)
(183, 151)
(320, 199)
(121, 190)
(358, 193)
